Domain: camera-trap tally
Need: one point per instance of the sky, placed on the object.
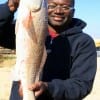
(88, 11)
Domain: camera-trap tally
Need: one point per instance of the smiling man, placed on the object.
(68, 73)
(70, 67)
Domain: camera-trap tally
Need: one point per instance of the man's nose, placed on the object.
(58, 9)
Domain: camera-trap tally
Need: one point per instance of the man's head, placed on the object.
(60, 12)
(13, 5)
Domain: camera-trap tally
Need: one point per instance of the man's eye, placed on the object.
(65, 7)
(51, 6)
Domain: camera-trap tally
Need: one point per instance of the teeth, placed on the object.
(57, 18)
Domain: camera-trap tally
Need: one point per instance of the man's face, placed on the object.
(59, 12)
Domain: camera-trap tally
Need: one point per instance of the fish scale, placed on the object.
(31, 31)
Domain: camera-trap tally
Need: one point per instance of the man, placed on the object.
(7, 36)
(70, 67)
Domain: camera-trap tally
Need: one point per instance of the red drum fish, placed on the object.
(31, 31)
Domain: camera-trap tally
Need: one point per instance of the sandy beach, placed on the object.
(5, 84)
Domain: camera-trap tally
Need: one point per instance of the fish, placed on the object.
(31, 31)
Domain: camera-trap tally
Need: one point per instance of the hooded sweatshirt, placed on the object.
(71, 64)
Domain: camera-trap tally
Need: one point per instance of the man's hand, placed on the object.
(38, 88)
(13, 5)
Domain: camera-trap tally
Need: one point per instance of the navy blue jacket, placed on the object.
(71, 63)
(70, 67)
(7, 35)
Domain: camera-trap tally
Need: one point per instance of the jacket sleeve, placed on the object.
(82, 73)
(7, 27)
(6, 16)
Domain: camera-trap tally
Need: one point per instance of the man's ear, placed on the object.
(72, 12)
